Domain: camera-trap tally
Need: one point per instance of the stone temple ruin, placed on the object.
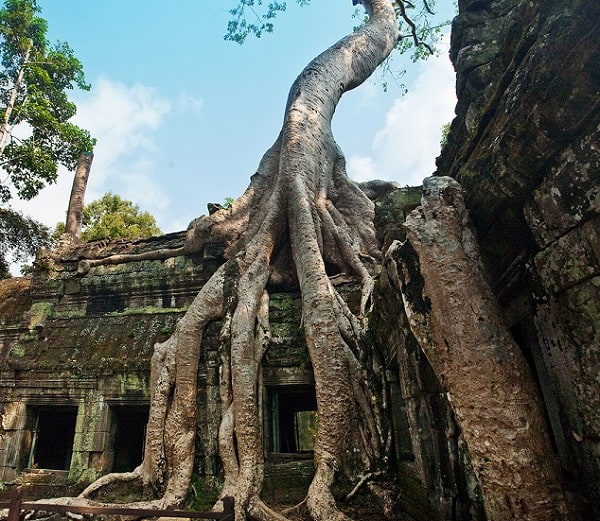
(75, 343)
(76, 346)
(74, 382)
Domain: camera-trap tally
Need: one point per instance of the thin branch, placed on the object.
(427, 8)
(413, 28)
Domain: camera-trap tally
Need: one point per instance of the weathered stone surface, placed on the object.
(519, 111)
(524, 146)
(568, 196)
(457, 322)
(391, 210)
(571, 259)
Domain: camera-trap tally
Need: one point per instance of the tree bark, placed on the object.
(75, 210)
(455, 318)
(6, 127)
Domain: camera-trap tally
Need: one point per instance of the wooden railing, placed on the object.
(17, 505)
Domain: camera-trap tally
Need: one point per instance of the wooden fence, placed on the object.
(17, 505)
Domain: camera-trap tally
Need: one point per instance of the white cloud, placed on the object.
(189, 103)
(137, 186)
(370, 92)
(362, 168)
(124, 119)
(404, 150)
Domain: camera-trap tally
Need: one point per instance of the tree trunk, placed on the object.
(6, 127)
(75, 210)
(458, 324)
(299, 214)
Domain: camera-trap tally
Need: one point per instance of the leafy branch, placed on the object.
(255, 17)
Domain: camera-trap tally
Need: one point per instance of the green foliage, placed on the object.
(419, 32)
(20, 238)
(445, 134)
(419, 28)
(113, 217)
(307, 429)
(239, 28)
(203, 494)
(34, 79)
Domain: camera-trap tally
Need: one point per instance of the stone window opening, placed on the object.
(291, 420)
(129, 428)
(52, 435)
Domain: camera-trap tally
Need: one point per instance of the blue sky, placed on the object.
(182, 117)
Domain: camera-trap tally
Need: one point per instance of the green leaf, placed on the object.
(113, 217)
(47, 73)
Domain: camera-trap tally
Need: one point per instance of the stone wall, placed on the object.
(79, 341)
(83, 344)
(524, 146)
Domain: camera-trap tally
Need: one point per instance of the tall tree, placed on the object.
(35, 78)
(76, 200)
(35, 133)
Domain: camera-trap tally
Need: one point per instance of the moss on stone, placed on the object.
(39, 312)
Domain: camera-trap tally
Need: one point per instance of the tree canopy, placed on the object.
(116, 218)
(34, 81)
(35, 133)
(20, 237)
(418, 34)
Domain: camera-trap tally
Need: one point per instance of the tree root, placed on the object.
(300, 509)
(361, 482)
(300, 216)
(115, 477)
(259, 511)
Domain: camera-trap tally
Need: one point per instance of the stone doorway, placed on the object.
(129, 424)
(291, 419)
(52, 434)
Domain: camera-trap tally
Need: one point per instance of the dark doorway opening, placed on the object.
(292, 417)
(130, 433)
(53, 434)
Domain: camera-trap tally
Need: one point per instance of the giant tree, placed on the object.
(35, 133)
(300, 221)
(299, 214)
